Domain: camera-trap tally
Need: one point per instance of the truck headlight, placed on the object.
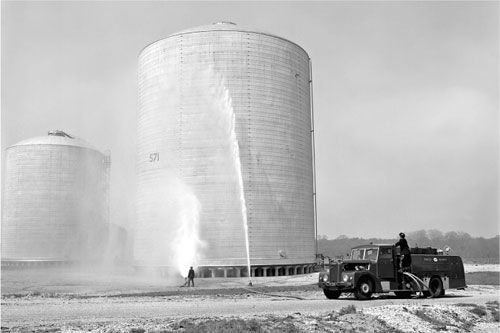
(346, 277)
(326, 277)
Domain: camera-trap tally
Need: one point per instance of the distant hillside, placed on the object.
(471, 249)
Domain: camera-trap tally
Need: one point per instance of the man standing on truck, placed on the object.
(405, 261)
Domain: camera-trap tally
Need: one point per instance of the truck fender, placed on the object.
(376, 283)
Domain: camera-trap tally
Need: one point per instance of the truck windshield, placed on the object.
(357, 254)
(367, 254)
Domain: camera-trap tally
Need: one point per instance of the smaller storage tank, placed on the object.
(55, 200)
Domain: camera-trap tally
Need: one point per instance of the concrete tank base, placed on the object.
(230, 271)
(242, 271)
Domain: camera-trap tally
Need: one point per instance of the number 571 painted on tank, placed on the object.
(376, 269)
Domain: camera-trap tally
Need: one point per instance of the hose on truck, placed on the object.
(418, 281)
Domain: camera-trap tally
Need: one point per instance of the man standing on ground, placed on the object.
(191, 277)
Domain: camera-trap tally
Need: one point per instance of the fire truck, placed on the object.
(376, 269)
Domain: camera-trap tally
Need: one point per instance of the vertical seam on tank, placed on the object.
(180, 154)
(249, 203)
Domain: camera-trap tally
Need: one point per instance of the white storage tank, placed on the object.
(55, 200)
(188, 83)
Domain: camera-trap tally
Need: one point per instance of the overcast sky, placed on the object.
(406, 98)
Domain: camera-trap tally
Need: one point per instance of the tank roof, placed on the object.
(220, 26)
(223, 26)
(56, 137)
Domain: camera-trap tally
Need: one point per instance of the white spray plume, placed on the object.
(170, 235)
(187, 242)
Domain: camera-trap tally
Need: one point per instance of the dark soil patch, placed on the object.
(223, 291)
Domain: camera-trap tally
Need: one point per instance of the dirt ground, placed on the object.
(98, 300)
(470, 268)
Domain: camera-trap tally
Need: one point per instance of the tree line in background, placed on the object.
(471, 249)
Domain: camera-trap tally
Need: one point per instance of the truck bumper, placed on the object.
(335, 285)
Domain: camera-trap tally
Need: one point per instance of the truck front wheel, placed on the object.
(436, 287)
(332, 294)
(364, 290)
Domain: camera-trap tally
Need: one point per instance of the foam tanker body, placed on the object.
(376, 269)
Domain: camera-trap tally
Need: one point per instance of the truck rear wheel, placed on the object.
(364, 290)
(332, 294)
(436, 287)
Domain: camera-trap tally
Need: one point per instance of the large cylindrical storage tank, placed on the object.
(191, 84)
(55, 200)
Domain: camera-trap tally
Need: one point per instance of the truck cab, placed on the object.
(375, 269)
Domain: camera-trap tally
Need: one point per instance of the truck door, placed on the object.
(385, 263)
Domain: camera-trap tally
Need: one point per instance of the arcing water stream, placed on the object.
(237, 164)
